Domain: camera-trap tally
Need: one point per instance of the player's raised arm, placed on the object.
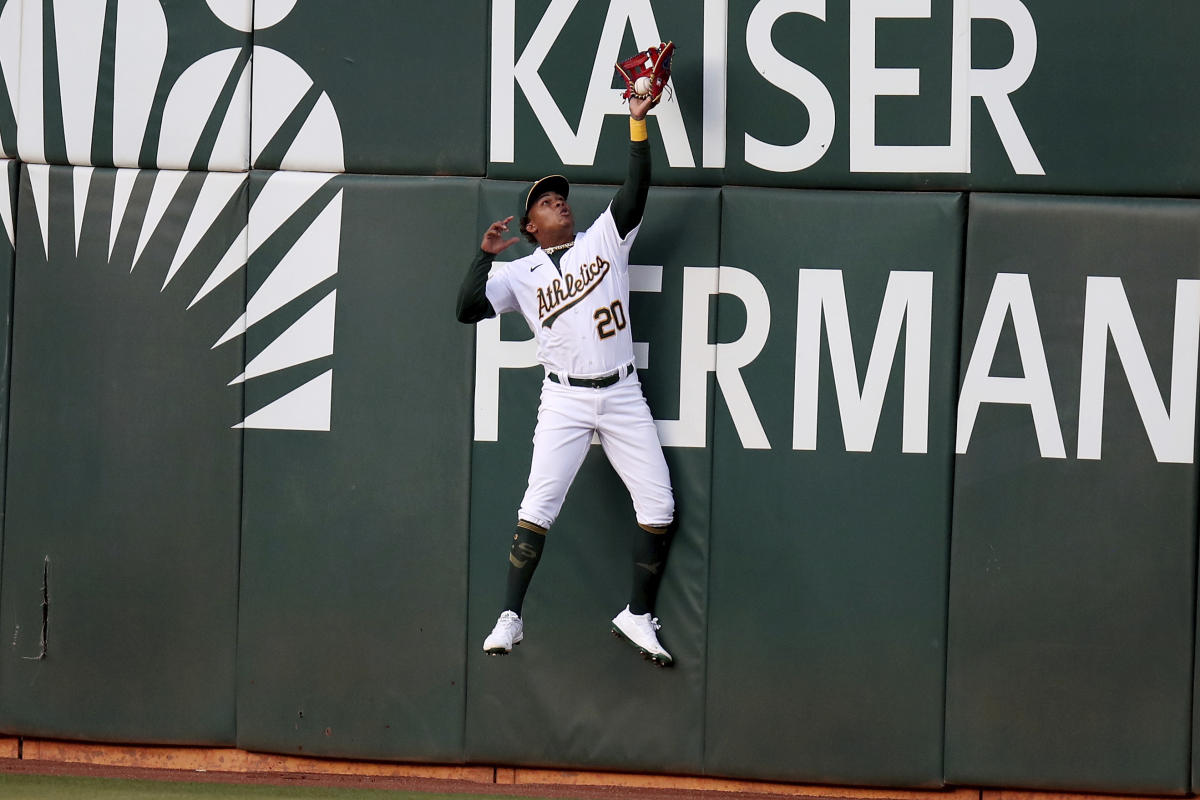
(646, 75)
(630, 201)
(473, 304)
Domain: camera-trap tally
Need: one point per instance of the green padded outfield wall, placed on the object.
(1072, 580)
(119, 589)
(354, 538)
(838, 323)
(571, 694)
(281, 275)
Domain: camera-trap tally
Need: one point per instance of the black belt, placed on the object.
(599, 382)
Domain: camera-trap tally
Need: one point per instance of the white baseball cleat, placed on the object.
(641, 630)
(509, 630)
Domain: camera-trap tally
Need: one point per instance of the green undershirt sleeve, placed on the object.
(473, 304)
(630, 201)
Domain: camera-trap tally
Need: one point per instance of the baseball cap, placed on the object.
(550, 183)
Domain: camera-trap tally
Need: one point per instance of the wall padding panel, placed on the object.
(384, 87)
(571, 694)
(152, 84)
(354, 544)
(124, 472)
(1072, 576)
(829, 548)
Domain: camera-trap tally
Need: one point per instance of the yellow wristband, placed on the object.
(637, 130)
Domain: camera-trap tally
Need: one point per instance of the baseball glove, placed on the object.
(646, 73)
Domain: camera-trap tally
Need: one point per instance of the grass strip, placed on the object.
(45, 787)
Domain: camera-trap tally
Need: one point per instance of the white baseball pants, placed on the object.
(618, 414)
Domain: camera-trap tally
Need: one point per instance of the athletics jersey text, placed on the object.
(564, 292)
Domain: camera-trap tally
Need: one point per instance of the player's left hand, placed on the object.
(638, 109)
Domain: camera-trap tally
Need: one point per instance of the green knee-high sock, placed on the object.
(649, 559)
(523, 559)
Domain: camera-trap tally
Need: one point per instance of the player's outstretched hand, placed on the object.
(493, 239)
(639, 108)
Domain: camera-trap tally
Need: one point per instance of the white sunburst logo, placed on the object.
(203, 124)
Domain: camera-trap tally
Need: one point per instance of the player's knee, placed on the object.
(533, 518)
(656, 509)
(533, 527)
(540, 506)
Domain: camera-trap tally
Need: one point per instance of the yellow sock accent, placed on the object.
(637, 130)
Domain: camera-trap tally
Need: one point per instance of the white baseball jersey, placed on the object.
(578, 311)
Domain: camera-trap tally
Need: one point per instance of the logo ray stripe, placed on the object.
(141, 51)
(79, 32)
(39, 182)
(233, 260)
(122, 189)
(235, 330)
(31, 144)
(215, 193)
(166, 185)
(81, 180)
(232, 148)
(10, 56)
(307, 408)
(6, 209)
(312, 259)
(307, 339)
(281, 195)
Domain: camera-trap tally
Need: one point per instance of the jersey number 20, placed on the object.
(609, 316)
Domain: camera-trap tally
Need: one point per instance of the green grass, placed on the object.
(38, 787)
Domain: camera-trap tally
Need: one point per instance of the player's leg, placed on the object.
(566, 422)
(636, 455)
(630, 440)
(560, 443)
(650, 545)
(523, 558)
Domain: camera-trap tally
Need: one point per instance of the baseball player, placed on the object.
(573, 290)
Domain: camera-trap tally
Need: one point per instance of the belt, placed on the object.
(598, 382)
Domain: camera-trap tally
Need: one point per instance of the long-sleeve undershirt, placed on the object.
(630, 201)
